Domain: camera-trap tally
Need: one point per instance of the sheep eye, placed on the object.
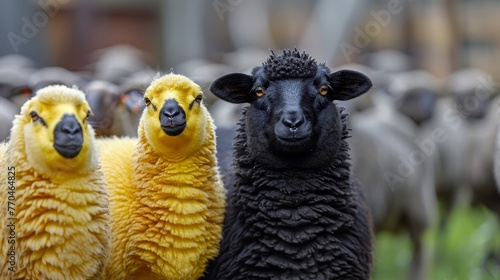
(87, 116)
(323, 90)
(259, 91)
(199, 98)
(34, 116)
(147, 101)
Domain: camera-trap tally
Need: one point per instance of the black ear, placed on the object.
(234, 88)
(348, 84)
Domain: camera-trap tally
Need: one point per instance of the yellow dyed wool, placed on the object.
(171, 197)
(3, 149)
(59, 206)
(116, 160)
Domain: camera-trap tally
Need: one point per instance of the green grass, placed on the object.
(458, 255)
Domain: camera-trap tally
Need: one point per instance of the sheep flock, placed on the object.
(278, 168)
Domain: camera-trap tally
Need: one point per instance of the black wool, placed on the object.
(293, 209)
(294, 224)
(290, 65)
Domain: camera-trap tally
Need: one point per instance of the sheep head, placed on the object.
(291, 119)
(472, 91)
(103, 97)
(56, 134)
(175, 119)
(415, 93)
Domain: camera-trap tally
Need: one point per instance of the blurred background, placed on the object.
(424, 139)
(442, 35)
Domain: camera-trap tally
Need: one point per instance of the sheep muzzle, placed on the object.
(172, 118)
(292, 131)
(68, 137)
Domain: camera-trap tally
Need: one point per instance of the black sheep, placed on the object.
(294, 211)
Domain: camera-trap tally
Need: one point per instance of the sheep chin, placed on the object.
(173, 130)
(45, 158)
(292, 146)
(173, 146)
(68, 151)
(288, 140)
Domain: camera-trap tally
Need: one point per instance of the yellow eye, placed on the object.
(34, 116)
(323, 90)
(199, 98)
(259, 91)
(147, 101)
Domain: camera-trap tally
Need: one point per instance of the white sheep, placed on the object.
(398, 175)
(7, 114)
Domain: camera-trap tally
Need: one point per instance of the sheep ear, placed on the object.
(21, 90)
(132, 99)
(234, 88)
(348, 84)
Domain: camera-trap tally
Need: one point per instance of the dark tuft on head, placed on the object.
(289, 65)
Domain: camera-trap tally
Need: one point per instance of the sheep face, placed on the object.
(418, 104)
(292, 119)
(472, 103)
(174, 114)
(103, 97)
(472, 92)
(56, 131)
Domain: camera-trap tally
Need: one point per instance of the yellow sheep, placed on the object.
(166, 197)
(116, 160)
(3, 149)
(54, 206)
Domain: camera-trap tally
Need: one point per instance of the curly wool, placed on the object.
(61, 225)
(291, 224)
(3, 149)
(166, 210)
(178, 213)
(290, 65)
(117, 169)
(166, 217)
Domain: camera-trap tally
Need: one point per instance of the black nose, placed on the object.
(171, 109)
(71, 127)
(68, 136)
(172, 118)
(292, 119)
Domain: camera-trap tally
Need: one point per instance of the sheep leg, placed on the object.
(491, 261)
(447, 207)
(445, 216)
(418, 262)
